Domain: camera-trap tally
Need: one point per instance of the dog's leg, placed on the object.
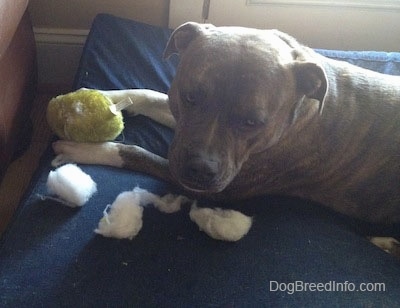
(149, 103)
(112, 154)
(145, 102)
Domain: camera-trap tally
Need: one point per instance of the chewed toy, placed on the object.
(86, 116)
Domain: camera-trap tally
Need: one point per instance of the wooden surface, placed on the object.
(20, 172)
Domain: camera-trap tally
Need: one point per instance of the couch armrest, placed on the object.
(11, 12)
(17, 79)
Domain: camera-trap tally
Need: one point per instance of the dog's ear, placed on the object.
(182, 36)
(311, 81)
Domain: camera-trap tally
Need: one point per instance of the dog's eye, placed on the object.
(192, 97)
(188, 98)
(250, 123)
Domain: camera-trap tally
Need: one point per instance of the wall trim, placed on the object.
(365, 4)
(60, 35)
(58, 53)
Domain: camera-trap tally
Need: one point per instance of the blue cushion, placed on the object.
(379, 61)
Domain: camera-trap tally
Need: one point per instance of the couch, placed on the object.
(17, 79)
(50, 255)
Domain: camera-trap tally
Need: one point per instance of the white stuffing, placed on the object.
(71, 184)
(145, 196)
(225, 225)
(124, 219)
(170, 203)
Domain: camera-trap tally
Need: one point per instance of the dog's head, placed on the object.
(235, 93)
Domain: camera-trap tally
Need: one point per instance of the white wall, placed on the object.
(333, 27)
(78, 14)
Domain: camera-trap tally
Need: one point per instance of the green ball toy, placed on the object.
(85, 116)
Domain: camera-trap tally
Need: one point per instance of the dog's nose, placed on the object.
(201, 171)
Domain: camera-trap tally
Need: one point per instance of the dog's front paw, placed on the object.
(59, 160)
(65, 152)
(388, 244)
(105, 153)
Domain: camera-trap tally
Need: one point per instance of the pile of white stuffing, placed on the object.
(123, 219)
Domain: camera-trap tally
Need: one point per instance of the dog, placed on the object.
(255, 112)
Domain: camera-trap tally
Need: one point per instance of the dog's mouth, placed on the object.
(198, 182)
(201, 188)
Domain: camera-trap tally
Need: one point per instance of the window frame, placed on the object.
(366, 4)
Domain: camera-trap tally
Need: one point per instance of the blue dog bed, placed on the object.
(50, 256)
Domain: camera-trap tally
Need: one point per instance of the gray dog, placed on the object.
(255, 112)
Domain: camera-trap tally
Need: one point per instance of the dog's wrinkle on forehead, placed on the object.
(247, 59)
(231, 47)
(266, 49)
(239, 83)
(246, 69)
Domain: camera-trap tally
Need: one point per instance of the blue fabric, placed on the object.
(382, 62)
(50, 256)
(123, 54)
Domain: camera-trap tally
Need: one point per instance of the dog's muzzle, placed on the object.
(200, 173)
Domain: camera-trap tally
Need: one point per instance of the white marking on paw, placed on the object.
(106, 153)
